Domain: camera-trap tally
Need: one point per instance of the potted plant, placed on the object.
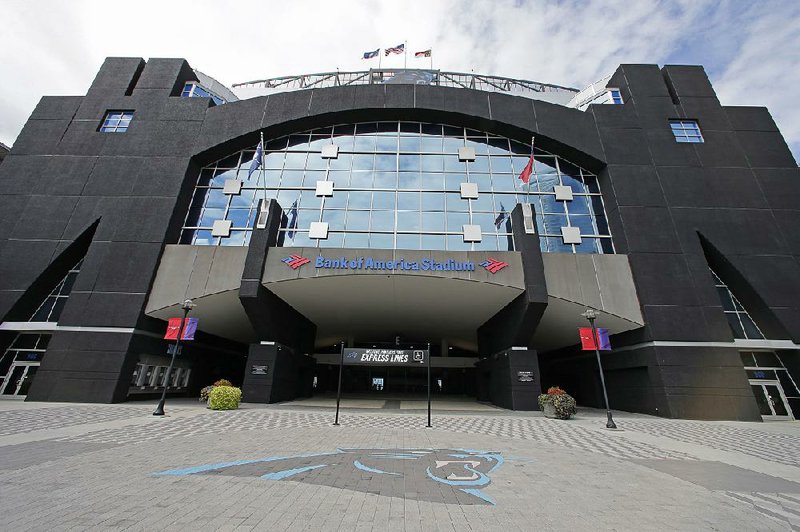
(205, 393)
(557, 403)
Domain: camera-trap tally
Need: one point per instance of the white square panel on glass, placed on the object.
(563, 192)
(472, 233)
(466, 153)
(221, 228)
(330, 151)
(571, 235)
(232, 186)
(324, 188)
(469, 190)
(318, 230)
(527, 219)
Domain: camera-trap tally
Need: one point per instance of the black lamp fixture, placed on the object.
(591, 315)
(187, 306)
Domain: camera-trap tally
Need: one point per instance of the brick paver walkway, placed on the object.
(116, 467)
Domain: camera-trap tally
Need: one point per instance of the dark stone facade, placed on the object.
(673, 209)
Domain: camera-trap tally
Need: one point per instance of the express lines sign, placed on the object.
(385, 357)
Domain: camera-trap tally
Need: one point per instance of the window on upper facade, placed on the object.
(116, 121)
(193, 90)
(686, 131)
(616, 96)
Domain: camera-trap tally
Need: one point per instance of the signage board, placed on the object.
(525, 376)
(385, 357)
(171, 349)
(369, 263)
(259, 370)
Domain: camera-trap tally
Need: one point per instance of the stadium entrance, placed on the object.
(452, 373)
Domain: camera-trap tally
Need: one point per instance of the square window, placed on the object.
(116, 121)
(686, 131)
(616, 96)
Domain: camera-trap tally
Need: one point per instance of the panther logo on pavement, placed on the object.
(421, 474)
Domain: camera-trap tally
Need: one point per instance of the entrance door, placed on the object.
(771, 399)
(19, 378)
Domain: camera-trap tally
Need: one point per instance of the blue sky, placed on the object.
(751, 50)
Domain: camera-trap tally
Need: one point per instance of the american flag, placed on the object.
(426, 53)
(399, 49)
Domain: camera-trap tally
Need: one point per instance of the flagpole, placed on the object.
(263, 175)
(431, 59)
(405, 54)
(379, 60)
(532, 170)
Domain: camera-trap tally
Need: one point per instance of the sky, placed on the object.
(750, 49)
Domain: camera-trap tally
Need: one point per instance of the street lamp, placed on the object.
(187, 306)
(591, 315)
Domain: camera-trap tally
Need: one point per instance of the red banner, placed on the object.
(174, 328)
(587, 340)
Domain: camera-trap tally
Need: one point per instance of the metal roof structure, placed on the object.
(376, 76)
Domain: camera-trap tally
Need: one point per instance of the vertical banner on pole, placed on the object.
(189, 328)
(173, 329)
(590, 341)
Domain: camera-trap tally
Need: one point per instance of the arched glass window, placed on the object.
(399, 185)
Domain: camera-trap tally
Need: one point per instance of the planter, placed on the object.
(557, 404)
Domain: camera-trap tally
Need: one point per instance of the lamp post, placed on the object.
(591, 315)
(187, 306)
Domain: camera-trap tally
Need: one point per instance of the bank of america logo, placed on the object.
(494, 265)
(295, 261)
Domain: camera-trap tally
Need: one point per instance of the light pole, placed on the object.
(187, 306)
(591, 315)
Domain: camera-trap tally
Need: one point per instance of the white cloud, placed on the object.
(55, 48)
(767, 71)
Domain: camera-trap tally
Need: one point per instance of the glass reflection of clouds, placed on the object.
(397, 185)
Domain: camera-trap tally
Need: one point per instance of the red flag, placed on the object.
(173, 329)
(525, 176)
(587, 340)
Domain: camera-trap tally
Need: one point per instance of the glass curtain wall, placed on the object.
(397, 185)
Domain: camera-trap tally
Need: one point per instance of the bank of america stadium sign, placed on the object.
(369, 263)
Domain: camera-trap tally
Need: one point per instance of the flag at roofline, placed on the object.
(525, 176)
(424, 53)
(373, 54)
(399, 49)
(258, 159)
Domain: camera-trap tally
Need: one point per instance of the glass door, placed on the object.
(18, 379)
(771, 399)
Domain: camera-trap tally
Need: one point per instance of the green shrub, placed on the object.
(224, 398)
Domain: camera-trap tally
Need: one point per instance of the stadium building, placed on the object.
(385, 210)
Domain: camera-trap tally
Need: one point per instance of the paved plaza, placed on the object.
(285, 467)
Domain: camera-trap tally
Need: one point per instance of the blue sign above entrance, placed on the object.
(369, 263)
